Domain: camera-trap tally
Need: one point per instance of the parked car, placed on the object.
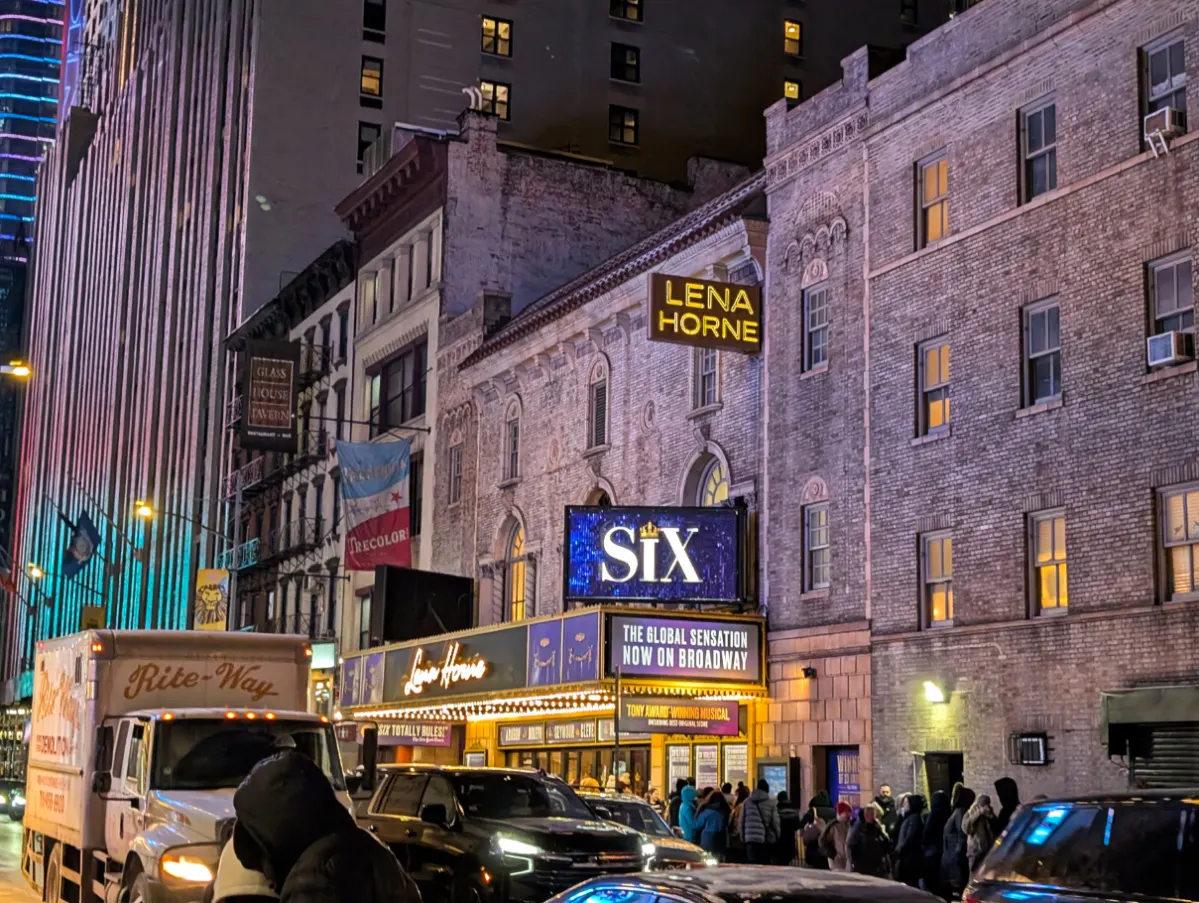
(670, 851)
(477, 835)
(16, 804)
(1141, 845)
(743, 884)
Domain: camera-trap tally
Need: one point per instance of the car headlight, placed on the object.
(4, 800)
(648, 850)
(709, 860)
(195, 864)
(513, 847)
(18, 800)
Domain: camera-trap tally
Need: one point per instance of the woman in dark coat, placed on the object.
(820, 813)
(932, 839)
(955, 863)
(909, 846)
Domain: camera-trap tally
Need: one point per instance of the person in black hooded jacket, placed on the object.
(1009, 801)
(955, 863)
(932, 840)
(292, 828)
(909, 846)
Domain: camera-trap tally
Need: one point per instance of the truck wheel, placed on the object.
(468, 891)
(141, 891)
(52, 886)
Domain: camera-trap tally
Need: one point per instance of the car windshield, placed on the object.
(638, 816)
(1149, 850)
(208, 754)
(498, 795)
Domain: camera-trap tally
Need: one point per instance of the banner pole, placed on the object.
(616, 729)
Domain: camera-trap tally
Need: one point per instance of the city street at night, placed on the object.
(13, 887)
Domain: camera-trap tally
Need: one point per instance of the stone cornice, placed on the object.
(786, 164)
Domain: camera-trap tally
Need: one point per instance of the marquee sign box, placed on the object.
(653, 554)
(705, 314)
(688, 716)
(685, 648)
(470, 664)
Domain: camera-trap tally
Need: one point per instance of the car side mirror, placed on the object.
(434, 814)
(604, 812)
(353, 782)
(101, 782)
(678, 832)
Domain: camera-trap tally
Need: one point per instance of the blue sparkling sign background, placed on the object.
(714, 550)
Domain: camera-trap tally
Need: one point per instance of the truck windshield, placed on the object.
(208, 754)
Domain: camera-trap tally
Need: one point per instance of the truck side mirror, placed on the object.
(370, 756)
(102, 760)
(101, 782)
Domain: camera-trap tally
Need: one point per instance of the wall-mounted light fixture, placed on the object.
(809, 673)
(933, 692)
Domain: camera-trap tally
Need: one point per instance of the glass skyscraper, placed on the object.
(31, 56)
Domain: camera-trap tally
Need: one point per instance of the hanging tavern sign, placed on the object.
(269, 372)
(705, 314)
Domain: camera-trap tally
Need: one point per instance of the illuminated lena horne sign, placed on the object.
(661, 554)
(705, 314)
(449, 671)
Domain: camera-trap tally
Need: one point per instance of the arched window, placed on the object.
(714, 487)
(597, 406)
(514, 576)
(512, 442)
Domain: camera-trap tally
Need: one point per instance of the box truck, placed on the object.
(139, 739)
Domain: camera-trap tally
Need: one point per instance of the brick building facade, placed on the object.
(1026, 552)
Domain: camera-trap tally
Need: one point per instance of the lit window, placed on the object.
(455, 474)
(792, 38)
(1043, 353)
(1180, 539)
(937, 573)
(817, 562)
(495, 98)
(497, 36)
(512, 444)
(515, 575)
(626, 63)
(714, 488)
(372, 77)
(707, 389)
(1172, 295)
(792, 90)
(597, 420)
(1038, 136)
(934, 387)
(623, 125)
(629, 10)
(934, 200)
(815, 308)
(1049, 561)
(1165, 76)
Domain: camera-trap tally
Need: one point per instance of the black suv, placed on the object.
(1141, 845)
(476, 835)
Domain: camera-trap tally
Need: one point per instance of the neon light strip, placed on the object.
(18, 197)
(30, 19)
(29, 37)
(17, 177)
(14, 135)
(26, 117)
(20, 157)
(13, 216)
(29, 78)
(30, 97)
(25, 56)
(12, 238)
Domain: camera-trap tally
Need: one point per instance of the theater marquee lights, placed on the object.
(705, 314)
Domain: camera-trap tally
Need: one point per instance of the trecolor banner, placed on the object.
(212, 599)
(374, 486)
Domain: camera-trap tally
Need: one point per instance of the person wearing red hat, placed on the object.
(834, 842)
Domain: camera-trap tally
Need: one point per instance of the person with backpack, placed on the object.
(760, 826)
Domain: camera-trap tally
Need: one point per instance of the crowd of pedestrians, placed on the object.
(736, 824)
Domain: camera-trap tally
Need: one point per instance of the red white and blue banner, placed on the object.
(374, 489)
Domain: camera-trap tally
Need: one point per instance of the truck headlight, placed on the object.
(648, 851)
(194, 864)
(514, 847)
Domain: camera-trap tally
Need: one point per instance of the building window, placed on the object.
(1180, 539)
(792, 90)
(1043, 353)
(934, 200)
(364, 618)
(495, 99)
(1048, 541)
(934, 387)
(335, 521)
(512, 444)
(371, 81)
(626, 63)
(368, 300)
(817, 562)
(629, 10)
(343, 333)
(707, 378)
(1165, 76)
(815, 313)
(792, 38)
(1172, 295)
(936, 568)
(455, 489)
(714, 487)
(624, 125)
(497, 36)
(397, 391)
(1038, 134)
(368, 134)
(907, 12)
(374, 20)
(597, 420)
(515, 576)
(416, 496)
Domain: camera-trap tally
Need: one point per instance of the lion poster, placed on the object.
(212, 599)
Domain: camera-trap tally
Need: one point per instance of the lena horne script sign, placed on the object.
(705, 314)
(685, 647)
(449, 671)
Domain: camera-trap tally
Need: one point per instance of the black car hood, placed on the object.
(566, 835)
(675, 848)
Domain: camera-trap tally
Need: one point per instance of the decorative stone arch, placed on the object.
(513, 410)
(511, 574)
(815, 490)
(600, 368)
(698, 469)
(600, 488)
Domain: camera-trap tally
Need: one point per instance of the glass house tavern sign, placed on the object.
(653, 554)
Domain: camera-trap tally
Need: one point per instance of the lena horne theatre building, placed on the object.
(554, 692)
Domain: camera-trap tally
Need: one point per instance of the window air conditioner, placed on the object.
(1166, 122)
(1170, 348)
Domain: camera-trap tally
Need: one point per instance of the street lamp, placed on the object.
(35, 572)
(17, 369)
(144, 510)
